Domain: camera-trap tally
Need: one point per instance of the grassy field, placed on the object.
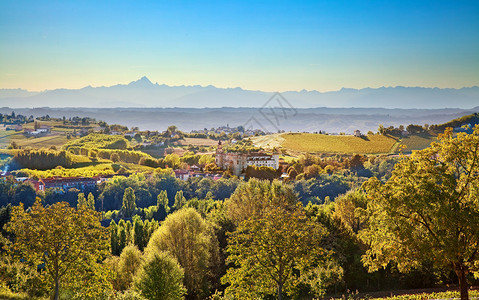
(319, 143)
(268, 141)
(473, 294)
(417, 142)
(42, 142)
(6, 137)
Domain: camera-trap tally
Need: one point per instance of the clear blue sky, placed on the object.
(264, 45)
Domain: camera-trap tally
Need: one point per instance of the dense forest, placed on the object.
(334, 224)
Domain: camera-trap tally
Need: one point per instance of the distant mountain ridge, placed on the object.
(144, 93)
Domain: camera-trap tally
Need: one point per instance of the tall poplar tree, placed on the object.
(129, 202)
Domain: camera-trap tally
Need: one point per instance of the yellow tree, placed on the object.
(428, 210)
(69, 243)
(187, 237)
(275, 245)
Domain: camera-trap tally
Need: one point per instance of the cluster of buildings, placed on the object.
(227, 130)
(86, 183)
(66, 183)
(43, 129)
(237, 162)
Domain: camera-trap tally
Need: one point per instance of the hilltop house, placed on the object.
(237, 162)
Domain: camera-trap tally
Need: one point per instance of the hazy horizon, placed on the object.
(236, 87)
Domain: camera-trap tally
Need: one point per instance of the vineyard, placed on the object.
(320, 143)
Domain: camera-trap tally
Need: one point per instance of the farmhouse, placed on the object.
(237, 161)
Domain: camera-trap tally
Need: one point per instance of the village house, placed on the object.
(182, 174)
(64, 183)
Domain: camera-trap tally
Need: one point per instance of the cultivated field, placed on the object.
(417, 142)
(319, 143)
(268, 141)
(42, 142)
(198, 142)
(6, 137)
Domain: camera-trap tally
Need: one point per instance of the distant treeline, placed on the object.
(42, 159)
(97, 141)
(472, 120)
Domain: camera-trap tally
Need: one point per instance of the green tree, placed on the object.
(91, 201)
(68, 241)
(81, 200)
(88, 203)
(160, 277)
(162, 201)
(428, 211)
(129, 202)
(187, 237)
(114, 238)
(128, 265)
(252, 197)
(180, 200)
(275, 251)
(173, 160)
(138, 232)
(121, 236)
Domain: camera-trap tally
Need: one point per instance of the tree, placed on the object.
(173, 160)
(69, 242)
(91, 201)
(274, 251)
(348, 208)
(138, 233)
(162, 206)
(252, 197)
(129, 202)
(128, 265)
(160, 277)
(114, 238)
(187, 237)
(381, 129)
(81, 200)
(275, 245)
(428, 211)
(162, 200)
(180, 200)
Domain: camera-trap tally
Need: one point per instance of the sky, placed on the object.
(257, 45)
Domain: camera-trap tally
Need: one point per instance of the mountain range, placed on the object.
(144, 93)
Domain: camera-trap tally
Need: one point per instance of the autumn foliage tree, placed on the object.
(428, 210)
(68, 242)
(187, 237)
(275, 246)
(275, 252)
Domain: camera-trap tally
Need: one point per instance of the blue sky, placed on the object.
(259, 45)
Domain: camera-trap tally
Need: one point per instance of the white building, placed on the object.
(238, 162)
